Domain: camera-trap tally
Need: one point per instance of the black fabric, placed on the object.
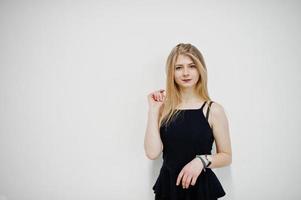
(187, 136)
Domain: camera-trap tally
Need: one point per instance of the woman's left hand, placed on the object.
(190, 173)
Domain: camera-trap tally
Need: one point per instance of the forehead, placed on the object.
(183, 60)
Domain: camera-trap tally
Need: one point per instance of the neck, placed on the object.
(188, 95)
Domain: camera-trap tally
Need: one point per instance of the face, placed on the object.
(186, 73)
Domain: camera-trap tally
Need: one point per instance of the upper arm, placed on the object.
(220, 128)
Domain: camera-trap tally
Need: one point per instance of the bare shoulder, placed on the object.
(218, 114)
(216, 108)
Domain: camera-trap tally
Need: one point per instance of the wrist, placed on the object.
(203, 160)
(206, 160)
(209, 158)
(154, 114)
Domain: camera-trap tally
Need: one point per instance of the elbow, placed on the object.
(154, 153)
(230, 163)
(230, 160)
(152, 156)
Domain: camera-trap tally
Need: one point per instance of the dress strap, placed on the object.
(203, 105)
(208, 109)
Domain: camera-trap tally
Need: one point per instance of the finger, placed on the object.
(158, 96)
(179, 178)
(184, 180)
(163, 96)
(193, 180)
(188, 180)
(153, 97)
(162, 92)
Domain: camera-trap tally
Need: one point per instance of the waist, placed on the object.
(175, 167)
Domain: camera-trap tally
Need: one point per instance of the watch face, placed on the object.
(209, 158)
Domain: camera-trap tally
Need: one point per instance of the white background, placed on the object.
(74, 76)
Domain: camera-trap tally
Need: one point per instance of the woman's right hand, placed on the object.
(156, 100)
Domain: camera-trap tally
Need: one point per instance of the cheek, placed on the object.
(196, 73)
(196, 76)
(177, 75)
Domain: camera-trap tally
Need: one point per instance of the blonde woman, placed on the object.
(183, 122)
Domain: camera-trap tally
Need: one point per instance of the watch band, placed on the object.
(203, 162)
(209, 162)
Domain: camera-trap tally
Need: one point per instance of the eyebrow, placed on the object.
(182, 65)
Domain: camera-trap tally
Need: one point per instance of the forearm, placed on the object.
(218, 160)
(152, 140)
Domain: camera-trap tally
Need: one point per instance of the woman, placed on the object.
(183, 122)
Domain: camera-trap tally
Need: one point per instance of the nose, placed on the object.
(186, 71)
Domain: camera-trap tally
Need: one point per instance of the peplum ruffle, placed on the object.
(207, 186)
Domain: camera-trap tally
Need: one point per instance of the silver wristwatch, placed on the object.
(209, 159)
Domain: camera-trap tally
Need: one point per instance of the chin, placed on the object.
(188, 86)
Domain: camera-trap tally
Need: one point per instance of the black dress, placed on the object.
(187, 136)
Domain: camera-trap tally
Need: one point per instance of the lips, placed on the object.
(186, 80)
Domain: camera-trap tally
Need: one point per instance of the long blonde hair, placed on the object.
(173, 94)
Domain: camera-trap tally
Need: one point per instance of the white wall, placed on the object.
(75, 75)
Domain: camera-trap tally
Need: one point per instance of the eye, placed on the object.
(192, 66)
(178, 68)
